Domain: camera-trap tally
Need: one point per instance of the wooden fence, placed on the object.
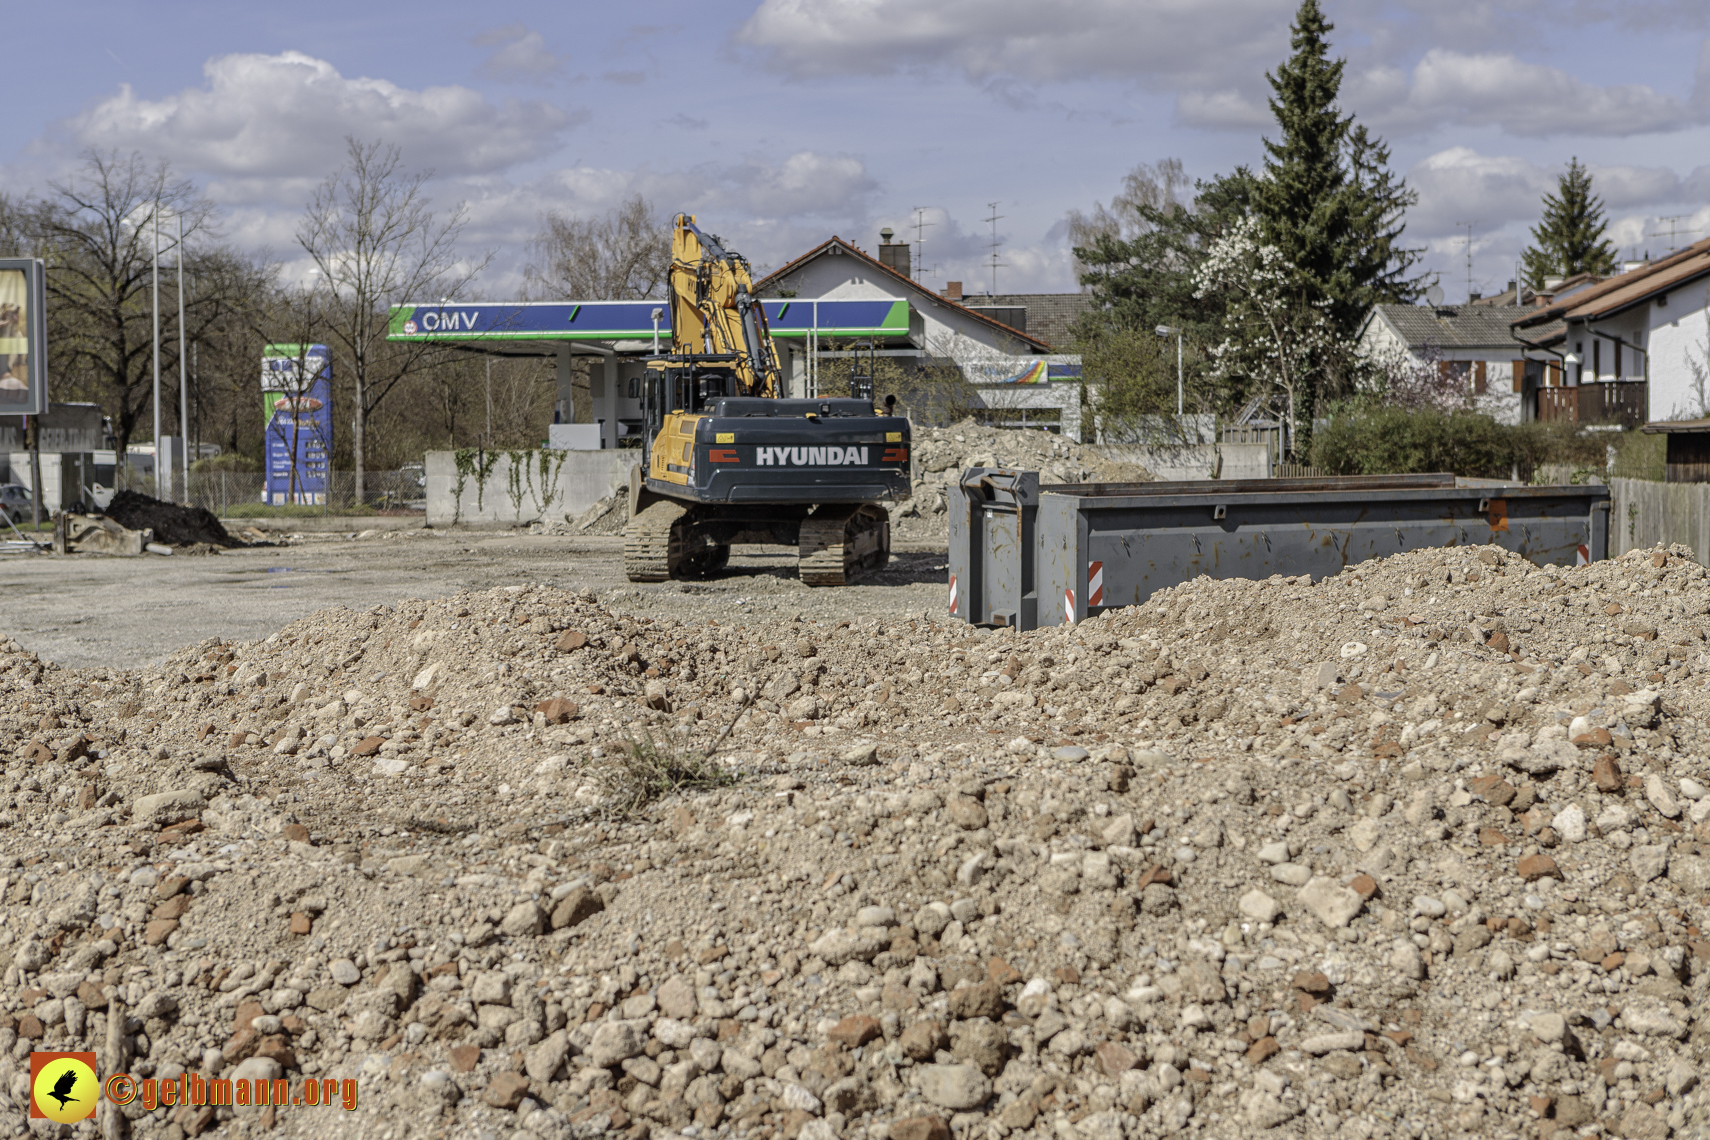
(1643, 513)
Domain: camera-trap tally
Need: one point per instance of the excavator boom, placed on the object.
(714, 311)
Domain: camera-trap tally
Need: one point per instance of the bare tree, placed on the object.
(1159, 187)
(96, 231)
(376, 241)
(621, 256)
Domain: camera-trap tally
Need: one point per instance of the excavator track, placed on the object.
(841, 544)
(652, 543)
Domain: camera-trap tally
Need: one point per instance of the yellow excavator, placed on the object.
(730, 460)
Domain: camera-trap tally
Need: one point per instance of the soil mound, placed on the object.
(171, 523)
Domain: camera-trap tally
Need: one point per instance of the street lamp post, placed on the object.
(155, 286)
(183, 373)
(1166, 330)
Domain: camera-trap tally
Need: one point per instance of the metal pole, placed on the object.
(183, 368)
(489, 397)
(156, 286)
(1179, 388)
(35, 430)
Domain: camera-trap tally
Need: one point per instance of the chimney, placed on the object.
(952, 290)
(894, 254)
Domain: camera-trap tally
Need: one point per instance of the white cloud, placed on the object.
(269, 115)
(1525, 99)
(518, 53)
(1159, 42)
(1459, 185)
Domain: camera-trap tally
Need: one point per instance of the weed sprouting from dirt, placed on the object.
(645, 770)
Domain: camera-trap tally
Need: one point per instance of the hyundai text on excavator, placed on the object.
(729, 459)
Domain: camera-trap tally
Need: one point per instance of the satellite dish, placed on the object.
(1434, 294)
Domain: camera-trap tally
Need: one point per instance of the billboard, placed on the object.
(23, 338)
(296, 391)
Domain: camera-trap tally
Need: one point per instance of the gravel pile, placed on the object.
(1420, 850)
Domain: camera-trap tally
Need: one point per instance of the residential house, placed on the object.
(1637, 343)
(1473, 342)
(1017, 377)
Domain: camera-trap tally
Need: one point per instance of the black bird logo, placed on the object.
(63, 1086)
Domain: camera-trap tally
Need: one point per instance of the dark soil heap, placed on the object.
(172, 524)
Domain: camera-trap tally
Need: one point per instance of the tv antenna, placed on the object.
(921, 225)
(1469, 241)
(995, 243)
(1674, 228)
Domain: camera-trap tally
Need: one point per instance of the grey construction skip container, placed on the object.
(1028, 556)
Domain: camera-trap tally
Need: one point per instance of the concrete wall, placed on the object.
(1196, 461)
(569, 483)
(1679, 337)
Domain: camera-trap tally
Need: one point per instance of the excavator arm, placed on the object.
(715, 313)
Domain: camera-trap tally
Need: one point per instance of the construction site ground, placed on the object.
(129, 612)
(398, 831)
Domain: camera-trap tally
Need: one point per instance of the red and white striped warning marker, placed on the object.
(1584, 556)
(1069, 606)
(1095, 584)
(954, 598)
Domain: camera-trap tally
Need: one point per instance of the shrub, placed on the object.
(1397, 441)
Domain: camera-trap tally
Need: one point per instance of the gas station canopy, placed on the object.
(628, 326)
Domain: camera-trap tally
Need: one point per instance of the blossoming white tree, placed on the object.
(1276, 340)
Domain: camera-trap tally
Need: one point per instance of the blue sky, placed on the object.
(783, 121)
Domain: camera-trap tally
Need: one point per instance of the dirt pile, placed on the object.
(1423, 849)
(172, 524)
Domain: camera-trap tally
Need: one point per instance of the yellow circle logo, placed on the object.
(66, 1090)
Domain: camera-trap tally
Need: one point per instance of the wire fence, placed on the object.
(242, 494)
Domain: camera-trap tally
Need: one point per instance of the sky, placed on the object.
(781, 122)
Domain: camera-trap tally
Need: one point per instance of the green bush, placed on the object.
(1396, 441)
(229, 461)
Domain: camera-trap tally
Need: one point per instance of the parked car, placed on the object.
(14, 502)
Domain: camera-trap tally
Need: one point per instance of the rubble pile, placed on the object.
(942, 454)
(1419, 850)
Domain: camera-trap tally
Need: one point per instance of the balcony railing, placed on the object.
(1622, 402)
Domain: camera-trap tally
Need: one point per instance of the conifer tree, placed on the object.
(1569, 239)
(1327, 199)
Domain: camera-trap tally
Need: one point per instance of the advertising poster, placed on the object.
(296, 390)
(23, 388)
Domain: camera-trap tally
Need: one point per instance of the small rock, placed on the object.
(615, 1041)
(1570, 823)
(921, 1128)
(523, 919)
(1323, 1043)
(1648, 861)
(1331, 903)
(853, 1032)
(958, 1087)
(1661, 798)
(1535, 867)
(677, 1000)
(1259, 906)
(344, 972)
(1548, 1027)
(576, 907)
(505, 1090)
(1071, 752)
